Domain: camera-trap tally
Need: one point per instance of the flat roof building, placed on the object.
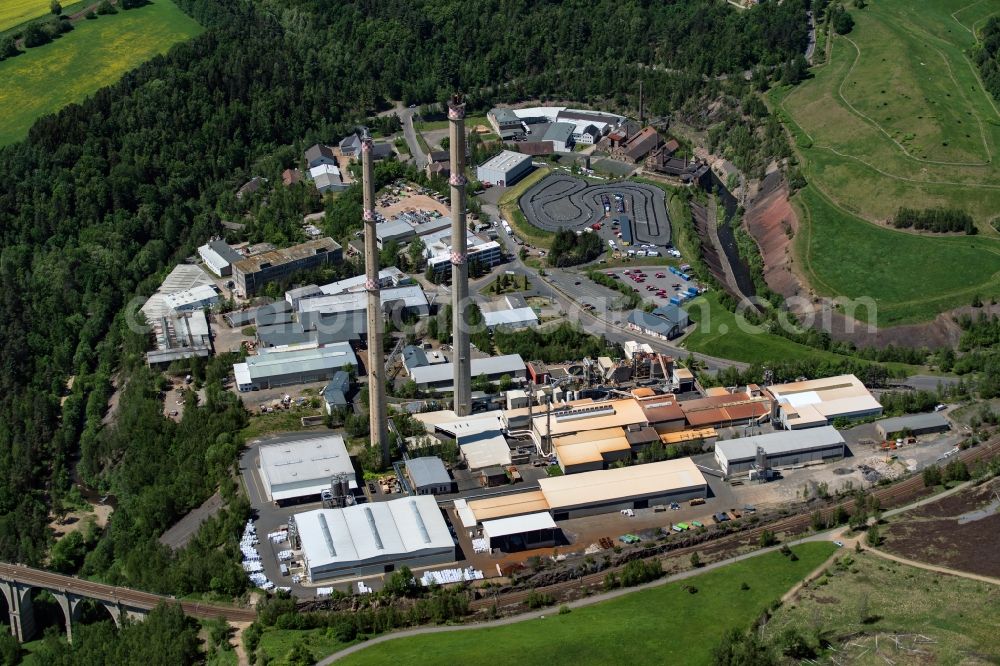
(180, 336)
(779, 449)
(373, 538)
(196, 298)
(914, 424)
(505, 169)
(527, 532)
(428, 476)
(410, 299)
(817, 402)
(253, 273)
(635, 487)
(297, 468)
(273, 368)
(441, 375)
(511, 319)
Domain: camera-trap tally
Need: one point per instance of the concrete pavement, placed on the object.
(410, 134)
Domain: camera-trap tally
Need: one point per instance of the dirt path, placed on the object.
(236, 640)
(935, 568)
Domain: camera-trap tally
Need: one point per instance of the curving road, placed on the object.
(563, 202)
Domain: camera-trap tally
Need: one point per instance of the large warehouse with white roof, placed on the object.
(780, 449)
(273, 368)
(297, 468)
(817, 402)
(504, 169)
(367, 539)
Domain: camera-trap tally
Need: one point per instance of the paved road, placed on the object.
(929, 382)
(406, 117)
(601, 321)
(835, 534)
(180, 534)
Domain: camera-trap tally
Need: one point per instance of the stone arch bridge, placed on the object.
(18, 581)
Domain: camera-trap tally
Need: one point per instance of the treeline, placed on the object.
(568, 249)
(938, 220)
(401, 604)
(987, 56)
(554, 344)
(871, 374)
(165, 636)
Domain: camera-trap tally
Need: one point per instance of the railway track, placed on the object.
(138, 599)
(902, 490)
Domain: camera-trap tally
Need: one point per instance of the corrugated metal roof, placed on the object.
(530, 522)
(275, 363)
(786, 441)
(913, 422)
(427, 471)
(494, 365)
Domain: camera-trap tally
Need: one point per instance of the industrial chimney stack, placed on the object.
(377, 428)
(459, 263)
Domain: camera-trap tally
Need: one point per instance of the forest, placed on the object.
(102, 197)
(938, 220)
(568, 249)
(987, 56)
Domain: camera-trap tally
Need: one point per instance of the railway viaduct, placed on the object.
(18, 581)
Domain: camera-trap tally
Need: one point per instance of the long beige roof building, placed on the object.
(817, 402)
(590, 493)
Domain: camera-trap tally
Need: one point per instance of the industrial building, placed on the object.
(261, 315)
(592, 493)
(561, 136)
(374, 538)
(318, 154)
(327, 178)
(387, 277)
(298, 468)
(313, 329)
(274, 368)
(725, 409)
(505, 169)
(635, 148)
(665, 328)
(180, 336)
(913, 424)
(485, 253)
(528, 532)
(219, 257)
(334, 394)
(196, 298)
(479, 437)
(511, 319)
(818, 402)
(253, 273)
(779, 449)
(440, 376)
(427, 476)
(409, 300)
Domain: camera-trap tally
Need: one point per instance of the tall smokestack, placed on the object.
(459, 265)
(377, 429)
(640, 101)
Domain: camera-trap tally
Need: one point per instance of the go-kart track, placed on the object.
(563, 202)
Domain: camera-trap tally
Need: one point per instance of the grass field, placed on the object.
(15, 12)
(429, 125)
(277, 643)
(873, 596)
(844, 255)
(897, 117)
(512, 212)
(95, 54)
(718, 333)
(663, 625)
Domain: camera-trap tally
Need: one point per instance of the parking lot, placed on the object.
(655, 283)
(584, 290)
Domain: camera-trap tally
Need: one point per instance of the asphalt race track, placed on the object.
(563, 202)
